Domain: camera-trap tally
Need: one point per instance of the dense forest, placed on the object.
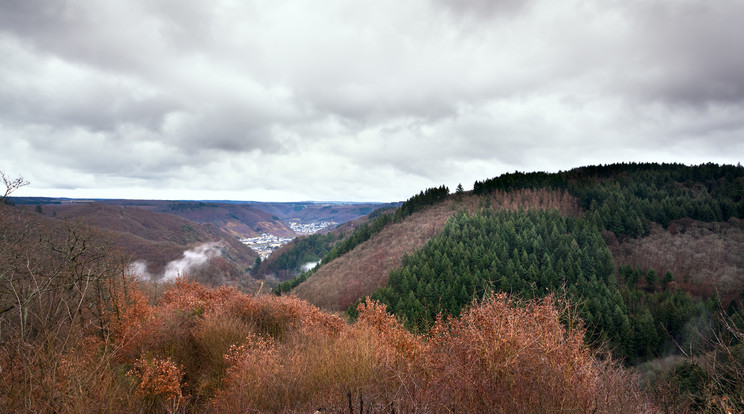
(532, 254)
(623, 198)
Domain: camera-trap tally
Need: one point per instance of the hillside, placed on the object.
(649, 254)
(537, 292)
(666, 217)
(675, 226)
(79, 334)
(338, 284)
(157, 239)
(707, 257)
(240, 220)
(318, 211)
(288, 261)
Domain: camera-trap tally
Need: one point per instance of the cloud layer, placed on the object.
(338, 100)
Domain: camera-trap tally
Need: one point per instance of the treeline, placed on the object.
(421, 200)
(623, 198)
(359, 236)
(366, 231)
(189, 206)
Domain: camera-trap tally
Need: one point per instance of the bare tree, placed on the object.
(12, 184)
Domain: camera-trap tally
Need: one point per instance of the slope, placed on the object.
(158, 238)
(319, 211)
(288, 261)
(642, 312)
(338, 284)
(240, 220)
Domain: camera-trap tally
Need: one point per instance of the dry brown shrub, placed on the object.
(64, 300)
(219, 350)
(499, 357)
(159, 383)
(251, 377)
(368, 365)
(196, 326)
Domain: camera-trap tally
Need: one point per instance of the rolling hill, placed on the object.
(241, 219)
(158, 239)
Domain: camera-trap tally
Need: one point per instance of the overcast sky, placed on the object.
(355, 99)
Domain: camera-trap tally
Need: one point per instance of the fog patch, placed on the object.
(192, 259)
(138, 270)
(307, 266)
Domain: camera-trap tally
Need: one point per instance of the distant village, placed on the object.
(266, 243)
(311, 228)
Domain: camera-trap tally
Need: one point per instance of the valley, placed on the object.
(633, 271)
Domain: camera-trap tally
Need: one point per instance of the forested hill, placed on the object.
(627, 244)
(624, 198)
(361, 262)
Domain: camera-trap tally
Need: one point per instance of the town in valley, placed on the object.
(266, 243)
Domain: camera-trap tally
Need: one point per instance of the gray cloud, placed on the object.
(484, 9)
(687, 52)
(363, 100)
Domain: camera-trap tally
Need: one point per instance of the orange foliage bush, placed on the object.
(499, 357)
(159, 379)
(200, 349)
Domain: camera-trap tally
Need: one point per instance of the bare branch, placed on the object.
(12, 184)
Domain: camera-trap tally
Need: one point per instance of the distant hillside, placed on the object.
(318, 211)
(158, 238)
(249, 219)
(241, 219)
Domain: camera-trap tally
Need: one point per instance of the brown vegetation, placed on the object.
(240, 220)
(218, 350)
(158, 238)
(705, 258)
(337, 285)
